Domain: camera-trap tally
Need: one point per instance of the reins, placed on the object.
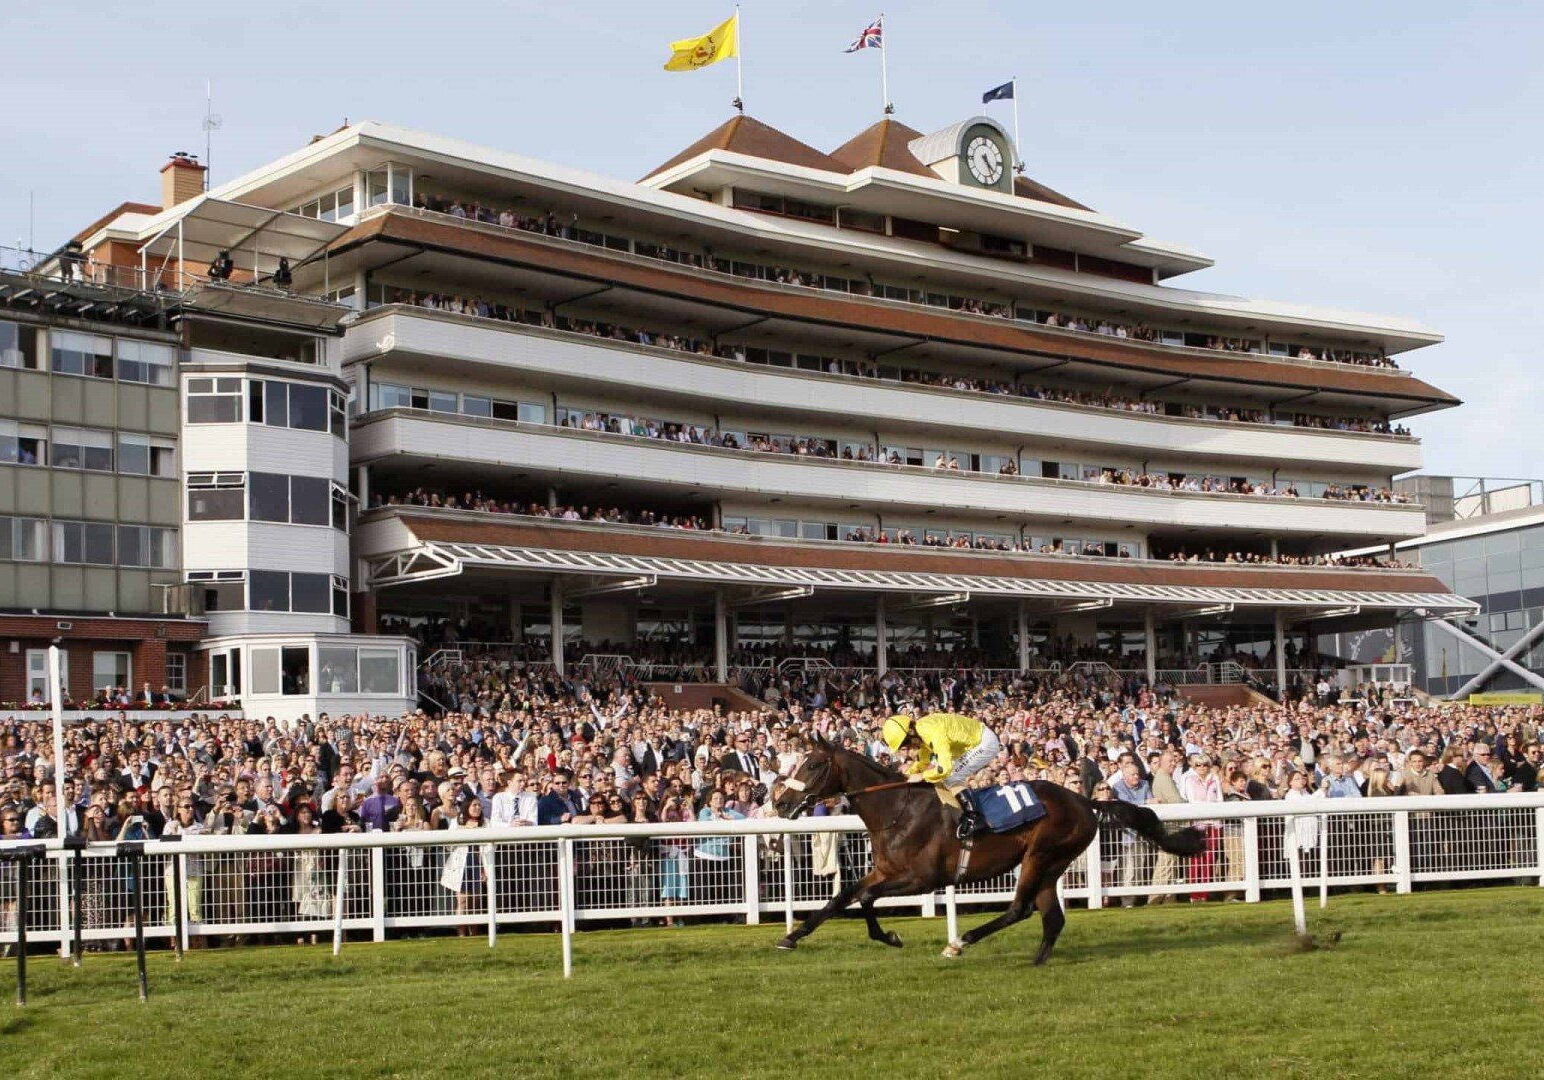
(892, 785)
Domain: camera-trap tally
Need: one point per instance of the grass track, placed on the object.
(1440, 984)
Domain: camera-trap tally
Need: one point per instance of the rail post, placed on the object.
(489, 855)
(788, 846)
(180, 898)
(23, 864)
(1538, 839)
(751, 866)
(1403, 882)
(1094, 873)
(78, 888)
(566, 902)
(136, 854)
(337, 902)
(378, 893)
(951, 915)
(1251, 860)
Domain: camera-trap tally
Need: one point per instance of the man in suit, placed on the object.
(740, 759)
(1479, 774)
(1525, 775)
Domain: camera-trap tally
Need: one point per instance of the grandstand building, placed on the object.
(891, 402)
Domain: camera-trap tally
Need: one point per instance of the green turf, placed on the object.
(1436, 984)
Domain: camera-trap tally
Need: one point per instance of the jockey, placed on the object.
(958, 747)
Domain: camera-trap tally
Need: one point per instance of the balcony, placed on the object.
(709, 382)
(492, 448)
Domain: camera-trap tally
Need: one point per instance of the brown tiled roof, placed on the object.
(837, 309)
(749, 136)
(883, 144)
(1033, 189)
(676, 544)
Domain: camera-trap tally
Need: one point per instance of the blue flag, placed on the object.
(999, 93)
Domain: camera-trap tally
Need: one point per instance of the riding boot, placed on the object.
(971, 820)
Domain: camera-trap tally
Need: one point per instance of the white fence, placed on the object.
(753, 869)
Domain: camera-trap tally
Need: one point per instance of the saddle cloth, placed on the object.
(1008, 806)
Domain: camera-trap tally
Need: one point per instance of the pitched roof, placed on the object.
(749, 136)
(1033, 189)
(113, 214)
(883, 144)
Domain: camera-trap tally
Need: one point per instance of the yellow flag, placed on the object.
(719, 43)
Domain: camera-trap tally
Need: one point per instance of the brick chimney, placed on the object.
(182, 178)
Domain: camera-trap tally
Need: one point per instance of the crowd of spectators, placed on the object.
(525, 748)
(530, 748)
(550, 223)
(480, 308)
(477, 501)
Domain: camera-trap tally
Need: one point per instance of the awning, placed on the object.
(256, 237)
(429, 560)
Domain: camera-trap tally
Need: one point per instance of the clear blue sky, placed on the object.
(1370, 155)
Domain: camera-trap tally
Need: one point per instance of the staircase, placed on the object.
(706, 695)
(1223, 695)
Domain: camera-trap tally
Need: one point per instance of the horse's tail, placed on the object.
(1146, 824)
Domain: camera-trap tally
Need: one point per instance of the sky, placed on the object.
(1373, 156)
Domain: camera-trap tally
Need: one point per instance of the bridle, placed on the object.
(806, 804)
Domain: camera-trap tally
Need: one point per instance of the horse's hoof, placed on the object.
(954, 950)
(788, 944)
(893, 940)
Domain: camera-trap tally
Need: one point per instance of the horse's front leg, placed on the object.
(899, 886)
(833, 906)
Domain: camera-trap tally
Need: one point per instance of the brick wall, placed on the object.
(145, 640)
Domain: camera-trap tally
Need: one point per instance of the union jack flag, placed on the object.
(873, 36)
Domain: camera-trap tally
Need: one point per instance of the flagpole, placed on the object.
(884, 68)
(1019, 164)
(739, 60)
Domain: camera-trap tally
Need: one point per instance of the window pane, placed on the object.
(217, 504)
(131, 545)
(270, 497)
(276, 403)
(134, 455)
(310, 500)
(99, 544)
(109, 670)
(269, 590)
(338, 671)
(308, 407)
(296, 670)
(265, 671)
(531, 413)
(312, 592)
(378, 671)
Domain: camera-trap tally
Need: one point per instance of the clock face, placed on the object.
(984, 158)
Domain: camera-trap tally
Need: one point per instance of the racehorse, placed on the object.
(916, 851)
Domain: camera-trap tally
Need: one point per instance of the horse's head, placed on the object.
(815, 776)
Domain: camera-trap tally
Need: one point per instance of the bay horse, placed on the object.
(916, 851)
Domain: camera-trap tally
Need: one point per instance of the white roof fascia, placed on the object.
(392, 140)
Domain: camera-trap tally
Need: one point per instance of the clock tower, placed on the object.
(975, 152)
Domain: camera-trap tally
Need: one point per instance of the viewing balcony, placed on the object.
(562, 360)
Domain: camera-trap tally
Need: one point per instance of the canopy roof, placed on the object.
(255, 236)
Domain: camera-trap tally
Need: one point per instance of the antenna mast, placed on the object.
(211, 125)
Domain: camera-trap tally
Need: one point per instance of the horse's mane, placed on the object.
(866, 767)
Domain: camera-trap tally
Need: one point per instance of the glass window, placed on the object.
(265, 671)
(139, 455)
(310, 500)
(339, 508)
(144, 545)
(390, 396)
(308, 407)
(147, 362)
(379, 671)
(83, 542)
(223, 595)
(401, 185)
(82, 448)
(275, 405)
(23, 539)
(18, 346)
(295, 668)
(311, 592)
(337, 414)
(532, 413)
(73, 353)
(337, 670)
(440, 401)
(340, 596)
(216, 497)
(177, 672)
(268, 590)
(131, 545)
(214, 401)
(476, 406)
(270, 497)
(376, 187)
(110, 670)
(23, 444)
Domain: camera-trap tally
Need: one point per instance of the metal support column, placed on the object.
(1281, 655)
(1520, 646)
(1150, 642)
(557, 626)
(1484, 649)
(882, 637)
(720, 635)
(1023, 636)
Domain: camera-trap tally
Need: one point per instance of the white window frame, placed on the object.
(37, 672)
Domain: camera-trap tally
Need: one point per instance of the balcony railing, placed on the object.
(994, 310)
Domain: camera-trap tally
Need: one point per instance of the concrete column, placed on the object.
(552, 498)
(721, 635)
(882, 636)
(1281, 654)
(1150, 639)
(1023, 636)
(1274, 551)
(557, 625)
(364, 487)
